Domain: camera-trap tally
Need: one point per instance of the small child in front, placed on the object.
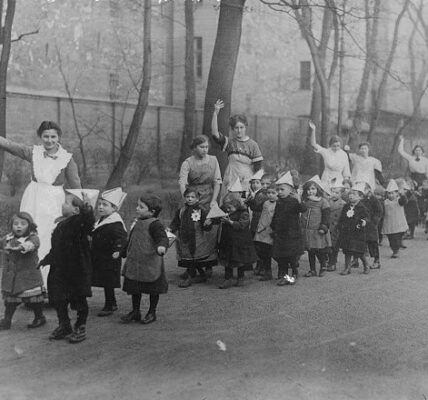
(352, 231)
(236, 246)
(394, 220)
(69, 279)
(21, 280)
(108, 239)
(287, 235)
(263, 238)
(144, 269)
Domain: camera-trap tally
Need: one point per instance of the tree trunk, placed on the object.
(128, 148)
(5, 36)
(386, 71)
(222, 70)
(189, 78)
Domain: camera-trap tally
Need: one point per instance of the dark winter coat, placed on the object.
(256, 206)
(106, 240)
(375, 211)
(352, 238)
(287, 234)
(70, 258)
(20, 271)
(336, 207)
(411, 209)
(236, 243)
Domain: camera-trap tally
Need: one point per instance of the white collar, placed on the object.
(111, 219)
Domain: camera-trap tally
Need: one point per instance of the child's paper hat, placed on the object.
(315, 179)
(322, 185)
(114, 196)
(258, 175)
(91, 193)
(359, 187)
(216, 212)
(336, 184)
(236, 186)
(392, 186)
(286, 179)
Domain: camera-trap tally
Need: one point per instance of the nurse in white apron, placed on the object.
(52, 168)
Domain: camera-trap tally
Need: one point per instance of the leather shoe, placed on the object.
(134, 315)
(37, 322)
(149, 318)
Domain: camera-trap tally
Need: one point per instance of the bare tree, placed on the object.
(189, 78)
(222, 69)
(127, 150)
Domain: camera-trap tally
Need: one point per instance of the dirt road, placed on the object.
(355, 337)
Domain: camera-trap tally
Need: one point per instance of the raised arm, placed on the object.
(312, 138)
(401, 150)
(214, 124)
(19, 150)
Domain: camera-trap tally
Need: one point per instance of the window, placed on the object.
(305, 75)
(198, 56)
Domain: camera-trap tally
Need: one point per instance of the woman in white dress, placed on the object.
(418, 164)
(52, 167)
(364, 167)
(336, 162)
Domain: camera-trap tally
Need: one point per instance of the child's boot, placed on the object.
(134, 315)
(366, 268)
(323, 266)
(6, 322)
(78, 335)
(61, 332)
(149, 318)
(39, 318)
(376, 264)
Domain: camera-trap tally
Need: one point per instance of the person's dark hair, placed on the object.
(272, 186)
(418, 146)
(47, 125)
(191, 190)
(234, 119)
(197, 140)
(334, 139)
(268, 176)
(153, 203)
(32, 227)
(364, 144)
(307, 185)
(75, 201)
(236, 203)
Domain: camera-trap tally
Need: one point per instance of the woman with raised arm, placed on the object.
(418, 163)
(336, 162)
(52, 168)
(244, 155)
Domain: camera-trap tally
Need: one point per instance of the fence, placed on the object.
(105, 123)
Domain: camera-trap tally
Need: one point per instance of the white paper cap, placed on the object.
(91, 193)
(359, 186)
(216, 212)
(286, 179)
(392, 186)
(236, 186)
(114, 196)
(258, 175)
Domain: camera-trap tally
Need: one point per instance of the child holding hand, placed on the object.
(144, 269)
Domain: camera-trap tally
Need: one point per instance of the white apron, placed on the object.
(42, 200)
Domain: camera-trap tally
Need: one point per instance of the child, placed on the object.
(411, 210)
(144, 269)
(108, 239)
(336, 205)
(315, 224)
(263, 237)
(352, 231)
(375, 212)
(69, 279)
(21, 280)
(255, 201)
(193, 248)
(394, 222)
(287, 235)
(236, 244)
(347, 186)
(379, 193)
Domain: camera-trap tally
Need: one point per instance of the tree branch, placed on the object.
(24, 34)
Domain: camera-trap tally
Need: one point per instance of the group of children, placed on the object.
(86, 253)
(278, 220)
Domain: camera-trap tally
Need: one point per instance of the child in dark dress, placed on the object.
(144, 269)
(69, 279)
(21, 280)
(236, 244)
(352, 224)
(194, 249)
(108, 239)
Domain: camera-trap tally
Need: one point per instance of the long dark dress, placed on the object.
(352, 238)
(70, 258)
(107, 239)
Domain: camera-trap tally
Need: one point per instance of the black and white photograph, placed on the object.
(214, 199)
